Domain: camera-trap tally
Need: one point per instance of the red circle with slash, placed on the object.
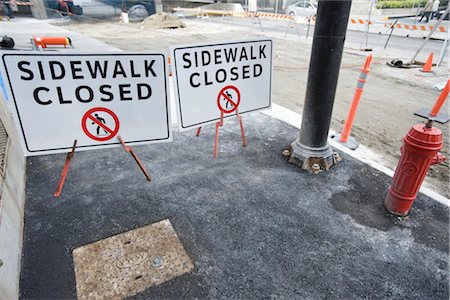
(234, 102)
(111, 131)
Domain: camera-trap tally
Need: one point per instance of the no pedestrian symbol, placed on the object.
(228, 99)
(100, 124)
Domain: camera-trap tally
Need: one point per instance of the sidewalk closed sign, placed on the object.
(225, 77)
(93, 98)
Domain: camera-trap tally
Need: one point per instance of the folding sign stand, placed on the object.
(64, 171)
(294, 21)
(256, 20)
(201, 15)
(138, 161)
(219, 124)
(226, 16)
(71, 154)
(224, 93)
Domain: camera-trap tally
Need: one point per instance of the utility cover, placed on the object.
(90, 97)
(222, 77)
(126, 264)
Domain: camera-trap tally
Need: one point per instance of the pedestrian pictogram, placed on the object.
(100, 124)
(228, 99)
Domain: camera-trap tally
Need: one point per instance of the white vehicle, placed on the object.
(302, 9)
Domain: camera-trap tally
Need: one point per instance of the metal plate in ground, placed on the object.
(126, 264)
(440, 118)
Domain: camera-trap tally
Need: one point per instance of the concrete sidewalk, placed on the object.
(254, 225)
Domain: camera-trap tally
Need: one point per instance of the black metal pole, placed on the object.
(327, 48)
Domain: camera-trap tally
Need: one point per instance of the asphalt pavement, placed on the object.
(255, 226)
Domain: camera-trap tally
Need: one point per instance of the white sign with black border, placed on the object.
(212, 77)
(89, 97)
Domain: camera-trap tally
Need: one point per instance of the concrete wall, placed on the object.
(12, 191)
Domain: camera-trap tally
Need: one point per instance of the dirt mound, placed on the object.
(163, 20)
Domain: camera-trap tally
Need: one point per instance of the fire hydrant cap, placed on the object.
(427, 138)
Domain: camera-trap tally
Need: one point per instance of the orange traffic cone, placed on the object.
(428, 64)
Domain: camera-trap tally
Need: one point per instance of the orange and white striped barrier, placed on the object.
(21, 3)
(415, 27)
(244, 14)
(360, 21)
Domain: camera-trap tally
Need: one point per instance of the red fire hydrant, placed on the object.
(419, 152)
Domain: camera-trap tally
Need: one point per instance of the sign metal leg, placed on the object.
(136, 158)
(65, 170)
(197, 134)
(216, 139)
(244, 143)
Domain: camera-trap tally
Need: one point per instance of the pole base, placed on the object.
(352, 143)
(440, 118)
(308, 158)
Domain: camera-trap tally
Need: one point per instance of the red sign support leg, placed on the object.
(219, 124)
(198, 131)
(136, 158)
(64, 171)
(244, 143)
(216, 138)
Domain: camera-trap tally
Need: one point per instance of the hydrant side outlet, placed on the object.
(420, 149)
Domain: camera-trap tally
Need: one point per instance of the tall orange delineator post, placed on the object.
(344, 138)
(440, 101)
(434, 114)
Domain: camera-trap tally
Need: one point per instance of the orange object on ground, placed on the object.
(170, 67)
(45, 41)
(428, 64)
(136, 158)
(355, 102)
(65, 170)
(440, 100)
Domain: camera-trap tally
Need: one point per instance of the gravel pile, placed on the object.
(163, 20)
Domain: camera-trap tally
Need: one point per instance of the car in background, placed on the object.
(303, 8)
(137, 10)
